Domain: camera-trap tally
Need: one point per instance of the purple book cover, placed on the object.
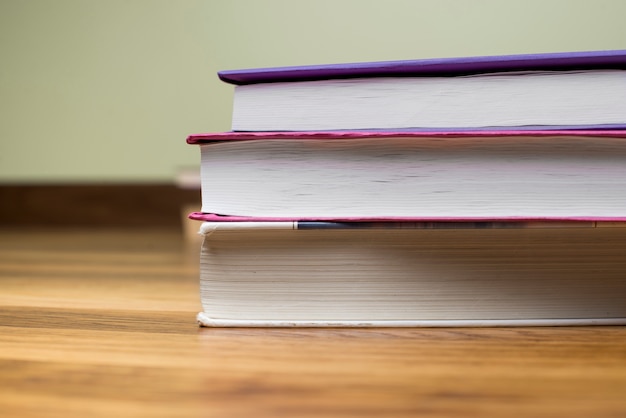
(442, 67)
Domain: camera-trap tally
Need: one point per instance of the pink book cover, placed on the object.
(415, 222)
(203, 138)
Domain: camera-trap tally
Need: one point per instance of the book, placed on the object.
(289, 274)
(409, 175)
(551, 91)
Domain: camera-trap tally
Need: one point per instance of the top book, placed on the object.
(556, 90)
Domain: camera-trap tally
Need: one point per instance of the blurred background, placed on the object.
(97, 97)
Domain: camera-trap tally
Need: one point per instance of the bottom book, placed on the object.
(279, 275)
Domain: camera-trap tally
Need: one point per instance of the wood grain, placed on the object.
(103, 324)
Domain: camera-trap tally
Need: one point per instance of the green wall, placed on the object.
(107, 90)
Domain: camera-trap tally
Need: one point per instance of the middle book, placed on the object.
(438, 176)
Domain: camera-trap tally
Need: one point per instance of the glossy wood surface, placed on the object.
(102, 324)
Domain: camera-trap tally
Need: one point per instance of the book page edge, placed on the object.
(205, 320)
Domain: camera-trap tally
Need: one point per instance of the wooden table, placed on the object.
(102, 324)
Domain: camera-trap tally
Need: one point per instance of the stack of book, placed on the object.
(445, 192)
